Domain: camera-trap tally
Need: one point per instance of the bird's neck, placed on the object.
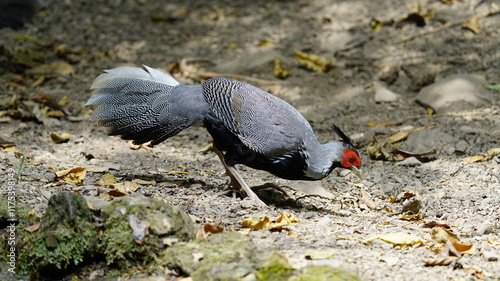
(320, 158)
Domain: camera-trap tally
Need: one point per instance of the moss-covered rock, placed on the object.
(231, 256)
(66, 237)
(164, 221)
(325, 273)
(224, 256)
(274, 267)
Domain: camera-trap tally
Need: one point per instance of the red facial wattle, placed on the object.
(350, 159)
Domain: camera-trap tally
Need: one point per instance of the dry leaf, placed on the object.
(52, 69)
(472, 24)
(416, 217)
(376, 25)
(144, 181)
(397, 239)
(64, 137)
(175, 172)
(107, 180)
(72, 176)
(479, 158)
(123, 188)
(465, 248)
(11, 149)
(265, 222)
(399, 136)
(440, 261)
(492, 153)
(32, 228)
(442, 235)
(376, 152)
(212, 228)
(371, 124)
(366, 198)
(314, 62)
(473, 159)
(279, 71)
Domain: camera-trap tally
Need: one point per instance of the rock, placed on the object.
(335, 42)
(410, 162)
(455, 93)
(388, 73)
(413, 205)
(67, 237)
(232, 256)
(461, 147)
(424, 140)
(383, 94)
(164, 221)
(420, 74)
(484, 228)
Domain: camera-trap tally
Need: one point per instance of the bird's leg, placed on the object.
(236, 179)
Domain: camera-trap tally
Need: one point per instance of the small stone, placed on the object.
(413, 204)
(383, 94)
(336, 42)
(461, 147)
(455, 93)
(424, 140)
(491, 255)
(484, 228)
(420, 74)
(410, 162)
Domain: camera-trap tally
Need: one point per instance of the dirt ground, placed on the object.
(196, 38)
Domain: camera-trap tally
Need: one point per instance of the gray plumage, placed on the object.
(263, 122)
(145, 104)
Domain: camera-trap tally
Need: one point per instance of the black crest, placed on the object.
(341, 134)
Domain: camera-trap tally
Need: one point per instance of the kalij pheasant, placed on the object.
(249, 126)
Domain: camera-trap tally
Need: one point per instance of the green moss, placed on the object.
(227, 253)
(65, 238)
(325, 273)
(164, 220)
(274, 267)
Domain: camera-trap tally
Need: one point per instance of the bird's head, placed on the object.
(348, 156)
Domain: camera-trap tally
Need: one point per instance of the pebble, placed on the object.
(420, 74)
(410, 162)
(461, 147)
(414, 205)
(336, 42)
(382, 94)
(484, 228)
(491, 255)
(456, 93)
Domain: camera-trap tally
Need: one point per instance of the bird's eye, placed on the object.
(351, 159)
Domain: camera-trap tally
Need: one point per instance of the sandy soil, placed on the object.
(244, 38)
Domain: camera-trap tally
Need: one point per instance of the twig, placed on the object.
(445, 26)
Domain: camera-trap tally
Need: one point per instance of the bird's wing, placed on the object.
(263, 122)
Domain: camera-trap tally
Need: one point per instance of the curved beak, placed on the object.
(356, 171)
